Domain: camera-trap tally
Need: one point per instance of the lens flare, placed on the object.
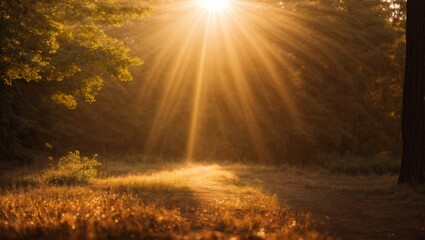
(215, 5)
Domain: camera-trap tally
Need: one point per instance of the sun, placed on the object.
(215, 5)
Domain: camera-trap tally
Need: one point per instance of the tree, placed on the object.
(66, 43)
(62, 50)
(413, 116)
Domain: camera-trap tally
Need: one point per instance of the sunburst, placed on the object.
(215, 5)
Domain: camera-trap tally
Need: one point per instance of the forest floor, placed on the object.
(210, 201)
(354, 207)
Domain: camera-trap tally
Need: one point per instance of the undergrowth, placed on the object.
(73, 169)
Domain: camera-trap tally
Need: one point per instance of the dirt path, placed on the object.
(362, 207)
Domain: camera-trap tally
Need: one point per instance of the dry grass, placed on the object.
(81, 213)
(169, 202)
(142, 200)
(210, 201)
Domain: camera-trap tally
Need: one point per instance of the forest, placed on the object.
(212, 119)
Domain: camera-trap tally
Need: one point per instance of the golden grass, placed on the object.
(81, 213)
(167, 180)
(142, 182)
(191, 201)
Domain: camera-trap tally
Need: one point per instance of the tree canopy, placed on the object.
(57, 50)
(66, 42)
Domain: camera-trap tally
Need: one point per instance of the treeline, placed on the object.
(288, 82)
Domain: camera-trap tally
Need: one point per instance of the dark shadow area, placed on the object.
(352, 207)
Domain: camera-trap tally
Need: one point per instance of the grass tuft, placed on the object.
(73, 169)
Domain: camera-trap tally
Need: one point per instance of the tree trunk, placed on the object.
(413, 117)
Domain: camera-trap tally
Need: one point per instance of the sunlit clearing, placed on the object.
(215, 5)
(191, 176)
(181, 202)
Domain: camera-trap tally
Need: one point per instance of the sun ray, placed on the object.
(196, 110)
(214, 70)
(171, 99)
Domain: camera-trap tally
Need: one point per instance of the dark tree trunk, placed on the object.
(413, 119)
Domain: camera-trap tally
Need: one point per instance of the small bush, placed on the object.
(73, 169)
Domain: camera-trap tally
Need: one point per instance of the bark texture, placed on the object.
(413, 117)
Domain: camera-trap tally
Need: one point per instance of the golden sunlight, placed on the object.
(212, 65)
(215, 5)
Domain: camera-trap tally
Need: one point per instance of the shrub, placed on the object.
(73, 169)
